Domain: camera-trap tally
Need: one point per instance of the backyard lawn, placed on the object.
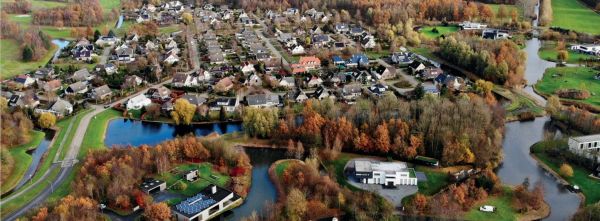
(590, 187)
(571, 78)
(436, 180)
(441, 30)
(21, 161)
(574, 15)
(206, 173)
(548, 52)
(503, 204)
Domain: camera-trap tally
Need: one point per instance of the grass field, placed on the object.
(280, 168)
(589, 187)
(574, 15)
(10, 59)
(38, 4)
(94, 135)
(573, 78)
(21, 160)
(509, 8)
(442, 30)
(548, 52)
(204, 169)
(503, 204)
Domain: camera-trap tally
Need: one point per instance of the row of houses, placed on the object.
(167, 13)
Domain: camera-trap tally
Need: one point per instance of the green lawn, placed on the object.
(21, 160)
(108, 5)
(169, 29)
(38, 4)
(11, 63)
(436, 180)
(589, 187)
(338, 166)
(574, 15)
(509, 8)
(280, 168)
(548, 52)
(372, 54)
(518, 103)
(503, 204)
(204, 169)
(442, 30)
(573, 78)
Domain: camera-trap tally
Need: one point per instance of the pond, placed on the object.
(61, 44)
(123, 132)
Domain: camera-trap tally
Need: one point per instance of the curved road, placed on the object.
(66, 165)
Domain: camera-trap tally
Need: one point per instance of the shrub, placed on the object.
(573, 94)
(566, 170)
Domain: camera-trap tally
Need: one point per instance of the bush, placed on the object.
(573, 94)
(180, 186)
(566, 170)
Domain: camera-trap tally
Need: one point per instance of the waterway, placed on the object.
(61, 44)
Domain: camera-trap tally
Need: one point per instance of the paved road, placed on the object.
(411, 79)
(274, 50)
(68, 162)
(105, 54)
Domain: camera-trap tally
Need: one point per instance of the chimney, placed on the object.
(214, 189)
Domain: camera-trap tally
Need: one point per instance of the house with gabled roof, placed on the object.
(81, 75)
(358, 60)
(101, 93)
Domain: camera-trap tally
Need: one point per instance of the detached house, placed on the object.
(342, 28)
(107, 41)
(263, 100)
(416, 67)
(83, 50)
(184, 80)
(314, 81)
(287, 82)
(228, 103)
(306, 64)
(81, 75)
(52, 85)
(358, 60)
(101, 93)
(79, 87)
(137, 102)
(351, 91)
(24, 80)
(586, 146)
(368, 42)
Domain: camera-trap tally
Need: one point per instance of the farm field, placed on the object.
(571, 78)
(576, 16)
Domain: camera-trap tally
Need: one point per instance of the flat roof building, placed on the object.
(153, 185)
(384, 173)
(210, 202)
(587, 146)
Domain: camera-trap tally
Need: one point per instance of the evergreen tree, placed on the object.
(27, 53)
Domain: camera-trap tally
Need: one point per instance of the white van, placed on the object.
(487, 208)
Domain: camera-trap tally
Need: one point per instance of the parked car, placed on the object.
(487, 208)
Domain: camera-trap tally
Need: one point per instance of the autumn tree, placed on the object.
(562, 56)
(47, 120)
(259, 122)
(553, 106)
(382, 138)
(187, 18)
(420, 203)
(296, 205)
(158, 211)
(183, 112)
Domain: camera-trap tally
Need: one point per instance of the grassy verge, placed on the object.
(571, 78)
(94, 135)
(428, 31)
(206, 172)
(548, 52)
(11, 63)
(22, 160)
(169, 29)
(589, 187)
(574, 15)
(503, 204)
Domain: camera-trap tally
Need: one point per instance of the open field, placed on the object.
(571, 78)
(10, 59)
(441, 30)
(503, 204)
(21, 160)
(589, 187)
(574, 15)
(39, 4)
(206, 172)
(548, 52)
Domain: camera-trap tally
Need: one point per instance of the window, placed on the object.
(580, 146)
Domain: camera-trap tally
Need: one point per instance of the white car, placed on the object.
(487, 208)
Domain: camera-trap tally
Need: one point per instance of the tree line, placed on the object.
(499, 61)
(461, 131)
(79, 13)
(576, 118)
(17, 7)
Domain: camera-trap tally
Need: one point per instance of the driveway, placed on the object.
(393, 195)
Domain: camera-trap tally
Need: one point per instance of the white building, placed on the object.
(587, 49)
(138, 102)
(587, 146)
(467, 25)
(384, 173)
(205, 205)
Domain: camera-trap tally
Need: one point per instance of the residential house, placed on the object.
(351, 91)
(430, 73)
(338, 61)
(138, 102)
(299, 96)
(287, 82)
(101, 93)
(79, 87)
(356, 31)
(159, 93)
(494, 34)
(107, 41)
(131, 81)
(368, 42)
(206, 205)
(297, 50)
(81, 75)
(431, 89)
(313, 81)
(389, 174)
(228, 103)
(170, 58)
(24, 80)
(402, 58)
(248, 68)
(194, 99)
(310, 63)
(321, 93)
(467, 25)
(342, 28)
(378, 89)
(44, 73)
(83, 50)
(224, 85)
(125, 54)
(253, 80)
(449, 81)
(52, 85)
(60, 108)
(384, 73)
(184, 80)
(263, 100)
(358, 60)
(320, 40)
(416, 67)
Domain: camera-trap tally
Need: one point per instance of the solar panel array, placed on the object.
(195, 204)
